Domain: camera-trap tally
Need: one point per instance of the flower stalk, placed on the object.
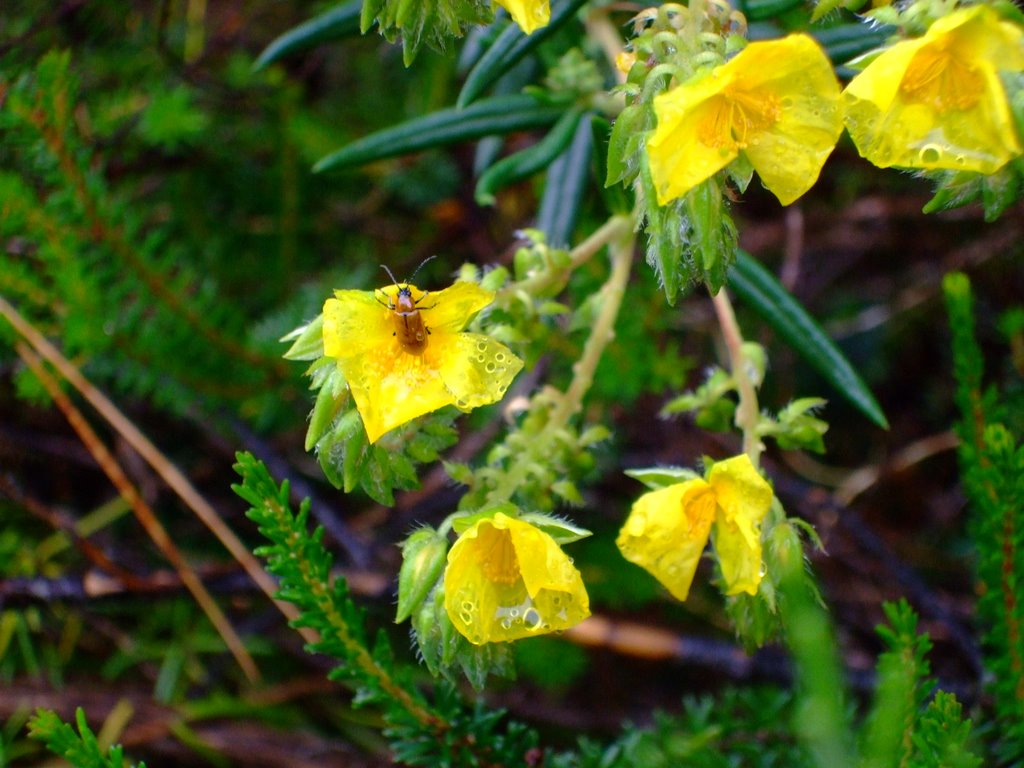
(748, 411)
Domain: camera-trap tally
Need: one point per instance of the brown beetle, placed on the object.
(410, 330)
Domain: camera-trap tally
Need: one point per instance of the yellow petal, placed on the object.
(743, 498)
(937, 102)
(355, 322)
(794, 82)
(777, 101)
(530, 15)
(507, 579)
(476, 369)
(391, 386)
(666, 532)
(453, 307)
(693, 138)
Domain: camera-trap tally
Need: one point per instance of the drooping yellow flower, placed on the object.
(403, 353)
(937, 102)
(667, 529)
(506, 579)
(530, 15)
(776, 101)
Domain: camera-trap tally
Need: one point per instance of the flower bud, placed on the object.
(423, 558)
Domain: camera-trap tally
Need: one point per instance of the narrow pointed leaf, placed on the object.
(499, 115)
(511, 46)
(563, 189)
(775, 306)
(528, 161)
(340, 21)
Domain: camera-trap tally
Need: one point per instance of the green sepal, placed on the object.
(564, 186)
(711, 234)
(341, 21)
(529, 161)
(511, 46)
(616, 198)
(778, 309)
(657, 478)
(664, 238)
(424, 554)
(446, 652)
(368, 14)
(463, 522)
(498, 115)
(627, 134)
(330, 401)
(307, 341)
(559, 529)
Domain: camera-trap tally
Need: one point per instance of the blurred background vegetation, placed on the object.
(160, 220)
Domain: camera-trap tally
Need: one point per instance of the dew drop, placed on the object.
(490, 367)
(481, 346)
(467, 617)
(533, 618)
(930, 153)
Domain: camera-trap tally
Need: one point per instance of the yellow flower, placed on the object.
(530, 15)
(403, 354)
(937, 101)
(507, 579)
(667, 529)
(775, 101)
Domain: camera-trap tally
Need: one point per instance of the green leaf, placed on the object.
(847, 41)
(756, 10)
(775, 306)
(563, 190)
(340, 21)
(529, 161)
(657, 478)
(503, 114)
(509, 48)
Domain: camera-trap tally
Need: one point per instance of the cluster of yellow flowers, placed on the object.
(403, 353)
(934, 102)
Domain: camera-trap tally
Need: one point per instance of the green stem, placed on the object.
(603, 330)
(748, 412)
(620, 230)
(556, 278)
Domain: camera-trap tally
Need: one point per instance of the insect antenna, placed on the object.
(429, 258)
(384, 267)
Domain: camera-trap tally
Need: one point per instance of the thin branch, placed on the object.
(748, 412)
(153, 527)
(160, 463)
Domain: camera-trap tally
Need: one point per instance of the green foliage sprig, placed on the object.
(992, 467)
(439, 733)
(81, 749)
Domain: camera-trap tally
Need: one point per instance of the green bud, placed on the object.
(423, 558)
(495, 279)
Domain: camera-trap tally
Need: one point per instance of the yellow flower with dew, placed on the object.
(403, 352)
(776, 101)
(667, 529)
(936, 102)
(507, 579)
(530, 15)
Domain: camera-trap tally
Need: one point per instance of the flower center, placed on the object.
(938, 78)
(500, 564)
(737, 116)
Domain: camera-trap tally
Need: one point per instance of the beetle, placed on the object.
(410, 330)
